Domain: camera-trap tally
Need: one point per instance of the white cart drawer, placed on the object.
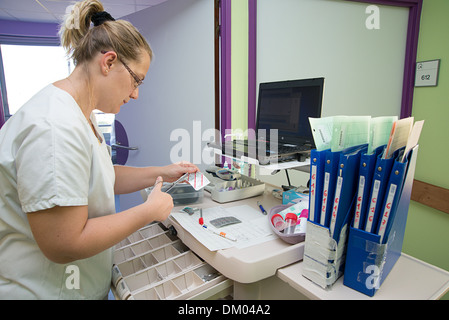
(151, 264)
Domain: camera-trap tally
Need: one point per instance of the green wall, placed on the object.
(239, 65)
(427, 231)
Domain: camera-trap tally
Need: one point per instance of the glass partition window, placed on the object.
(28, 69)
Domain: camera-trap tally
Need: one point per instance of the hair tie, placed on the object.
(99, 17)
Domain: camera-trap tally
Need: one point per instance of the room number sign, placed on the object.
(427, 73)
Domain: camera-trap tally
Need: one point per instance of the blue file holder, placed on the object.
(368, 262)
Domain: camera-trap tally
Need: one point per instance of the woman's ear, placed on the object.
(108, 61)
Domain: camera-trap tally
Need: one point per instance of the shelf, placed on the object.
(432, 283)
(304, 165)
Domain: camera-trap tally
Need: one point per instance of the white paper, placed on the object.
(399, 136)
(413, 138)
(197, 180)
(322, 129)
(253, 229)
(350, 131)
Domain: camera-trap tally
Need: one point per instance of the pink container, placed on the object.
(278, 222)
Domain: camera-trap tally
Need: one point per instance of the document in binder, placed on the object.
(317, 159)
(366, 170)
(400, 133)
(345, 189)
(391, 199)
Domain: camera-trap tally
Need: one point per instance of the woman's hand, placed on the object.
(161, 203)
(174, 171)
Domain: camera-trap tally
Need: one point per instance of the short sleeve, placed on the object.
(53, 165)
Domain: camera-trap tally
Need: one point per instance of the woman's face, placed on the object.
(120, 85)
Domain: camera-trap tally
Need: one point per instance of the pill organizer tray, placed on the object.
(151, 264)
(226, 191)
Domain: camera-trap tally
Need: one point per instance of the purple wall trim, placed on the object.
(410, 59)
(29, 33)
(226, 121)
(2, 114)
(226, 106)
(29, 29)
(252, 64)
(414, 19)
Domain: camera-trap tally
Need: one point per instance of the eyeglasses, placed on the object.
(135, 77)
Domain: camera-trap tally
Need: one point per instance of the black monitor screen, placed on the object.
(287, 106)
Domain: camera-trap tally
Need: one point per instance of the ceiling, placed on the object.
(54, 10)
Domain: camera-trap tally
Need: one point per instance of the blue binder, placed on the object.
(345, 188)
(330, 178)
(366, 170)
(381, 175)
(317, 159)
(391, 199)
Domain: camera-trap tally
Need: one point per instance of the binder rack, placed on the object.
(369, 262)
(363, 260)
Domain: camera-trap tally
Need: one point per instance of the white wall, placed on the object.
(328, 38)
(363, 68)
(179, 87)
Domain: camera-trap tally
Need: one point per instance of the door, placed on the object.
(173, 118)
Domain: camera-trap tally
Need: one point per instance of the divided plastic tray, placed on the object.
(151, 264)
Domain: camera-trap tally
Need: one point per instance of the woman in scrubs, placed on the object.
(58, 223)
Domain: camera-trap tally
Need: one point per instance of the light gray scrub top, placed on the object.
(49, 156)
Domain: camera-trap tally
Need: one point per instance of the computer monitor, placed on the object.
(287, 106)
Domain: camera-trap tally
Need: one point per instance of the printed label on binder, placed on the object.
(358, 207)
(324, 134)
(386, 213)
(372, 206)
(336, 202)
(325, 193)
(312, 194)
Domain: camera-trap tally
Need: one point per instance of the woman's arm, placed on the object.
(132, 179)
(65, 234)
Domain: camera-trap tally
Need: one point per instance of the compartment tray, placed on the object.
(151, 264)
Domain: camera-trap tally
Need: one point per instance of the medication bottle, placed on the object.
(278, 222)
(290, 223)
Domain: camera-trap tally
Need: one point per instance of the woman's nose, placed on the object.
(134, 94)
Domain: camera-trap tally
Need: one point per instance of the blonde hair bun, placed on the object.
(82, 39)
